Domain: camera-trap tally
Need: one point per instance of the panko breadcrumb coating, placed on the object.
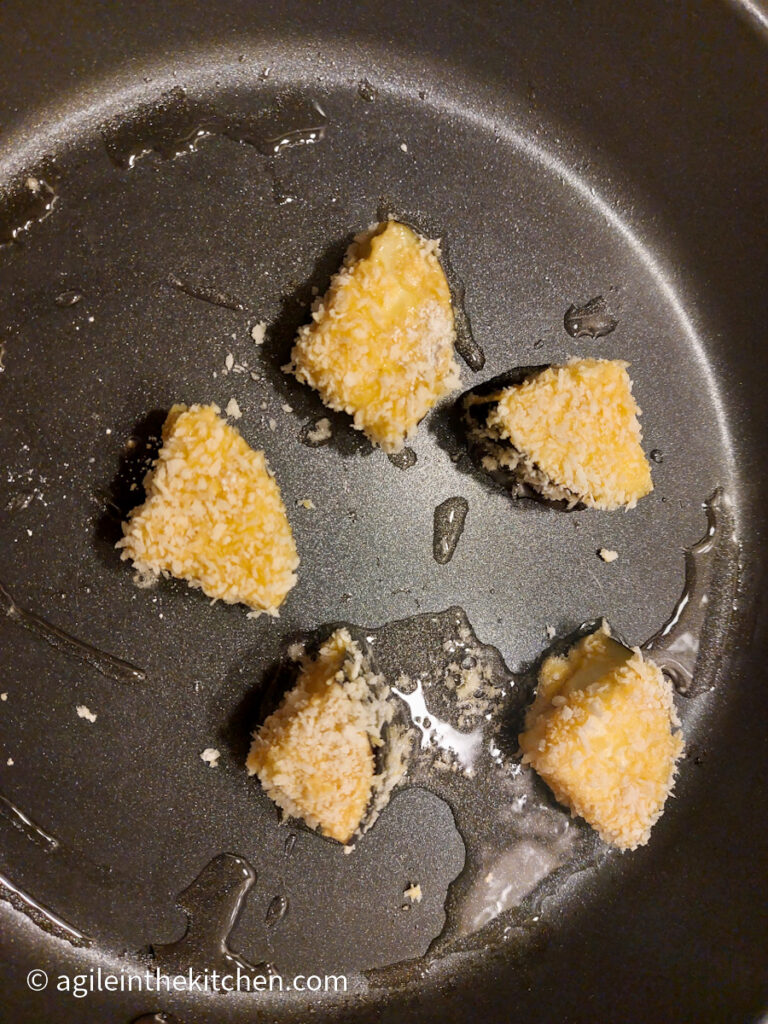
(314, 755)
(213, 515)
(570, 433)
(602, 733)
(380, 344)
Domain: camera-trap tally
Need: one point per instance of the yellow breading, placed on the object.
(213, 515)
(380, 345)
(602, 734)
(578, 424)
(314, 755)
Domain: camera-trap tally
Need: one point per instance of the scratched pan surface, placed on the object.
(562, 152)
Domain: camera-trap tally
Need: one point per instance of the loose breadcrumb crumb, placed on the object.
(413, 892)
(306, 503)
(9, 762)
(211, 756)
(3, 696)
(233, 409)
(84, 712)
(607, 555)
(259, 332)
(321, 432)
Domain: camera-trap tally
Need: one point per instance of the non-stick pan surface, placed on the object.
(561, 151)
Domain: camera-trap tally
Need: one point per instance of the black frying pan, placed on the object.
(562, 151)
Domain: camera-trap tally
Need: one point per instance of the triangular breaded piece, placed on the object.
(380, 345)
(314, 755)
(576, 428)
(602, 734)
(213, 515)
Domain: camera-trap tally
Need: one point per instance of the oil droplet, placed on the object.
(107, 664)
(29, 201)
(156, 1018)
(205, 293)
(295, 137)
(68, 298)
(469, 349)
(404, 459)
(450, 517)
(276, 911)
(657, 455)
(366, 91)
(25, 824)
(592, 320)
(169, 126)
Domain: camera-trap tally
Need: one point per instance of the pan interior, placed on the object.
(181, 219)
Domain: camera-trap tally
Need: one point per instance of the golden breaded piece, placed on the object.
(380, 345)
(213, 515)
(575, 433)
(314, 756)
(601, 733)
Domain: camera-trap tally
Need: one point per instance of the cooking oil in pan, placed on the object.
(592, 320)
(437, 733)
(71, 297)
(450, 517)
(29, 200)
(175, 124)
(44, 918)
(212, 903)
(156, 1018)
(276, 910)
(24, 823)
(405, 459)
(705, 606)
(296, 137)
(466, 345)
(107, 664)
